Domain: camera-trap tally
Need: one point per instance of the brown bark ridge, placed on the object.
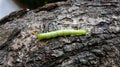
(19, 46)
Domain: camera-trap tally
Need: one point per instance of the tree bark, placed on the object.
(99, 48)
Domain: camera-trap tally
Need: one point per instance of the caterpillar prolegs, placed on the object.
(59, 33)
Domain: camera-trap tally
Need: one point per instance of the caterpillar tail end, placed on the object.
(39, 36)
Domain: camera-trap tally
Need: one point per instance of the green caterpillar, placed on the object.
(58, 33)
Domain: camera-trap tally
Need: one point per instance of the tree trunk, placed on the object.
(19, 46)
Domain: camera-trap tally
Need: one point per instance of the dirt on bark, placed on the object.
(19, 46)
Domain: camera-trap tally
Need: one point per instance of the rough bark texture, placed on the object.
(19, 46)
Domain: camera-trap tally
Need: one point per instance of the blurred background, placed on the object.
(8, 6)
